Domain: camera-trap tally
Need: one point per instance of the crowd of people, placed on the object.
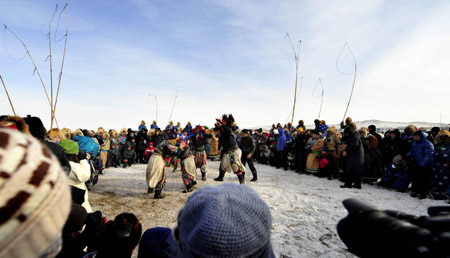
(45, 178)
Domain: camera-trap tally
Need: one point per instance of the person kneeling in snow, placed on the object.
(397, 175)
(129, 155)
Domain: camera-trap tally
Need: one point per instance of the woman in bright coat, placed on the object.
(105, 149)
(80, 172)
(315, 144)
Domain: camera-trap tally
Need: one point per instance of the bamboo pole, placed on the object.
(296, 54)
(7, 94)
(36, 69)
(51, 65)
(64, 57)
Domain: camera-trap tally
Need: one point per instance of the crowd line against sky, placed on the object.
(229, 57)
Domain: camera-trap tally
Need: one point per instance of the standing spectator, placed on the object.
(157, 137)
(315, 145)
(392, 142)
(261, 142)
(188, 128)
(422, 151)
(301, 124)
(440, 181)
(104, 151)
(281, 148)
(248, 148)
(407, 140)
(354, 155)
(142, 141)
(154, 125)
(142, 126)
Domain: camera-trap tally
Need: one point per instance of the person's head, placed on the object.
(315, 134)
(71, 149)
(189, 123)
(229, 220)
(185, 132)
(244, 133)
(178, 124)
(435, 130)
(154, 122)
(362, 132)
(170, 123)
(410, 130)
(36, 127)
(56, 135)
(142, 122)
(417, 136)
(120, 237)
(323, 122)
(443, 137)
(123, 132)
(317, 122)
(348, 120)
(35, 197)
(301, 122)
(260, 131)
(372, 129)
(217, 131)
(279, 126)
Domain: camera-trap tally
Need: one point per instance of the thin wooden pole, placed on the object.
(36, 69)
(51, 65)
(7, 94)
(64, 56)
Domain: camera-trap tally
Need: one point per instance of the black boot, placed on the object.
(203, 176)
(241, 179)
(150, 190)
(188, 189)
(158, 194)
(220, 177)
(255, 176)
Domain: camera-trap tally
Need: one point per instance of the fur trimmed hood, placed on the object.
(56, 132)
(67, 133)
(441, 134)
(21, 125)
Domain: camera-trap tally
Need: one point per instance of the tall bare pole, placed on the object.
(7, 94)
(354, 75)
(319, 82)
(64, 56)
(51, 65)
(173, 106)
(296, 55)
(156, 100)
(37, 71)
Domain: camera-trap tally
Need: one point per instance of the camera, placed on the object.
(370, 232)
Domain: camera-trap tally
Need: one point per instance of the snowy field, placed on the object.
(305, 209)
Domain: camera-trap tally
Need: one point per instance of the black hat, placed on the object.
(76, 220)
(245, 131)
(36, 127)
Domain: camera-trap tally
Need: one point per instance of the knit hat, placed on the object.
(69, 146)
(34, 197)
(77, 218)
(229, 220)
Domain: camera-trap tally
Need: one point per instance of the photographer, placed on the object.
(370, 232)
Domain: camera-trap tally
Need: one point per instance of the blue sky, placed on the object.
(229, 57)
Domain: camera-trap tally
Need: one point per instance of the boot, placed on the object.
(158, 194)
(241, 179)
(188, 189)
(203, 176)
(220, 177)
(255, 176)
(150, 190)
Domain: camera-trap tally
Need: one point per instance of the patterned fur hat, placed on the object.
(20, 123)
(34, 197)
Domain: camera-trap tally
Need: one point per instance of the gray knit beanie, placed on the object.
(229, 220)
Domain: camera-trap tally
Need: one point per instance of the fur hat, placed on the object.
(410, 130)
(142, 122)
(36, 127)
(67, 133)
(20, 123)
(106, 135)
(228, 220)
(151, 132)
(56, 132)
(123, 130)
(362, 132)
(441, 134)
(34, 197)
(170, 123)
(154, 122)
(115, 134)
(331, 130)
(78, 132)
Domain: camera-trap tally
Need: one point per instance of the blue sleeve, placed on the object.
(428, 159)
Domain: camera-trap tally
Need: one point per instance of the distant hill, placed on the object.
(381, 125)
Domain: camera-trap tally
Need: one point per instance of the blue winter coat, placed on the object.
(142, 127)
(422, 151)
(153, 126)
(281, 143)
(87, 144)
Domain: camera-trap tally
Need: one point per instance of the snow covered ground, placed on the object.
(305, 209)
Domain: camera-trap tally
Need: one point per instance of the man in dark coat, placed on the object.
(142, 141)
(157, 137)
(354, 154)
(248, 148)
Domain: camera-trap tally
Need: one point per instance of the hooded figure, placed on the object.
(354, 155)
(281, 148)
(441, 168)
(422, 151)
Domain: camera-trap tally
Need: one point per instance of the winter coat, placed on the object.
(281, 142)
(248, 145)
(156, 139)
(142, 141)
(422, 151)
(261, 141)
(87, 145)
(129, 154)
(214, 146)
(312, 163)
(355, 153)
(199, 141)
(122, 139)
(397, 177)
(142, 127)
(226, 140)
(391, 147)
(115, 150)
(80, 173)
